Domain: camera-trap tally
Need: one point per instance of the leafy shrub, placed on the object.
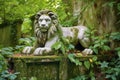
(112, 68)
(115, 36)
(26, 26)
(63, 46)
(99, 44)
(109, 69)
(4, 74)
(27, 41)
(4, 52)
(9, 76)
(24, 42)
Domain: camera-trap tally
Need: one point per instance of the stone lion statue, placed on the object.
(48, 31)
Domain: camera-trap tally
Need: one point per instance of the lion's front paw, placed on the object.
(27, 50)
(87, 51)
(38, 51)
(41, 51)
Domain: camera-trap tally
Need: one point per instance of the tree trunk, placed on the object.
(95, 14)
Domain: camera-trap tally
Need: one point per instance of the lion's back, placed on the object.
(77, 31)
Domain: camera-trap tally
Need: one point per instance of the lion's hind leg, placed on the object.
(85, 43)
(87, 51)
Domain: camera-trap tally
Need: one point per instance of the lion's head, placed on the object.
(46, 25)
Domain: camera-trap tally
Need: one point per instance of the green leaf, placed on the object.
(71, 46)
(65, 40)
(12, 76)
(71, 57)
(63, 49)
(94, 58)
(7, 49)
(111, 3)
(1, 57)
(33, 78)
(119, 54)
(87, 64)
(108, 76)
(96, 45)
(118, 51)
(93, 78)
(77, 62)
(26, 26)
(115, 36)
(104, 64)
(106, 48)
(57, 45)
(17, 73)
(114, 78)
(95, 50)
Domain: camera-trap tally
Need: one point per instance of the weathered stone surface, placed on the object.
(48, 67)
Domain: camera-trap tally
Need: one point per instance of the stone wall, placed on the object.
(10, 33)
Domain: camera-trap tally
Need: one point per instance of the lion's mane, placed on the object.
(42, 37)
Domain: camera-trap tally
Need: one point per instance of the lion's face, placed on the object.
(45, 25)
(44, 22)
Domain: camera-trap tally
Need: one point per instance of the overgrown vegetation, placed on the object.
(101, 47)
(99, 43)
(24, 10)
(13, 10)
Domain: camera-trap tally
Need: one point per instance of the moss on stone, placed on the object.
(48, 67)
